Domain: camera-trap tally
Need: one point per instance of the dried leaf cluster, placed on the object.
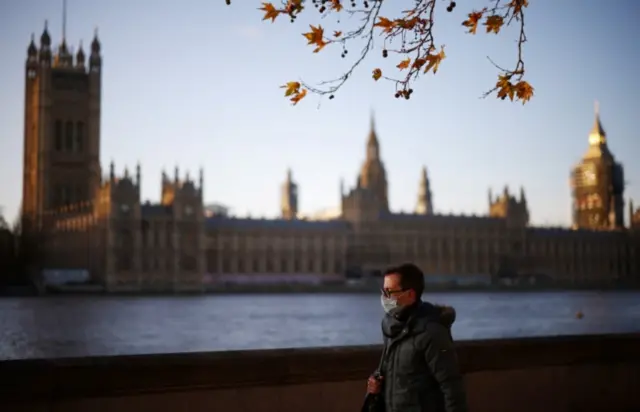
(408, 37)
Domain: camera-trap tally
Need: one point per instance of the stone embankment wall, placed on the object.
(563, 374)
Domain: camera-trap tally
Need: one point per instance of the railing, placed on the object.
(575, 373)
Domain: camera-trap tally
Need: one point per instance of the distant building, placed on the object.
(216, 210)
(597, 184)
(97, 222)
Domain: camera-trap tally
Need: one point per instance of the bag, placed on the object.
(375, 402)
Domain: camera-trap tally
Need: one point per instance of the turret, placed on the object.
(64, 57)
(138, 174)
(201, 183)
(523, 198)
(425, 203)
(32, 50)
(80, 58)
(95, 59)
(45, 46)
(289, 198)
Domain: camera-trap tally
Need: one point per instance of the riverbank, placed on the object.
(334, 288)
(554, 374)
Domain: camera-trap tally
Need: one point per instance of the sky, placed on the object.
(196, 84)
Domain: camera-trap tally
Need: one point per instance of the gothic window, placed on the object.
(78, 194)
(80, 137)
(65, 195)
(68, 137)
(58, 135)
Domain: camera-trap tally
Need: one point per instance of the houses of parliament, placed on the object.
(95, 220)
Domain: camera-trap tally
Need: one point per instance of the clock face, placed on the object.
(589, 175)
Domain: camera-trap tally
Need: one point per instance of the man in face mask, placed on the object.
(419, 369)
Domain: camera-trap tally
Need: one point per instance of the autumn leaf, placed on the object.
(337, 34)
(385, 24)
(505, 88)
(291, 88)
(404, 64)
(472, 21)
(377, 74)
(316, 36)
(418, 63)
(518, 5)
(294, 6)
(524, 91)
(270, 12)
(336, 5)
(494, 23)
(298, 96)
(434, 60)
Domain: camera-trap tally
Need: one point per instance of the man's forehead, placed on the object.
(391, 280)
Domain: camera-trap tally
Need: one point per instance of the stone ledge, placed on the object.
(51, 379)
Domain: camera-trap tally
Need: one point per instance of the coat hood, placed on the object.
(444, 315)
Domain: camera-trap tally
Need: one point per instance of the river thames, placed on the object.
(66, 326)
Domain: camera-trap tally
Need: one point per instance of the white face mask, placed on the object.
(388, 304)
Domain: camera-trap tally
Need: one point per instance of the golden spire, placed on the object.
(597, 136)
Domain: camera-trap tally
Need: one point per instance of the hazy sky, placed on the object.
(195, 83)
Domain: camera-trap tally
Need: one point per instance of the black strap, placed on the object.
(382, 357)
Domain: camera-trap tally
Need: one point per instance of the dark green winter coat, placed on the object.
(420, 365)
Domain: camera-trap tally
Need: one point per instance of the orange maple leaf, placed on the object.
(494, 23)
(472, 21)
(404, 64)
(505, 88)
(434, 60)
(385, 24)
(524, 91)
(291, 88)
(270, 12)
(336, 5)
(377, 74)
(294, 6)
(337, 33)
(316, 36)
(298, 96)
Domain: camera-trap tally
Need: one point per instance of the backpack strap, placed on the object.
(385, 347)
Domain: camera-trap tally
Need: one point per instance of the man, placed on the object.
(419, 367)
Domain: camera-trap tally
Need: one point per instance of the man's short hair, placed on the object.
(411, 277)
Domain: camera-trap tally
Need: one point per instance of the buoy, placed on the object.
(579, 315)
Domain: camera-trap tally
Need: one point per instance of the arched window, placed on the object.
(68, 138)
(80, 137)
(58, 135)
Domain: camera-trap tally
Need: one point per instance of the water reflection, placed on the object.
(92, 325)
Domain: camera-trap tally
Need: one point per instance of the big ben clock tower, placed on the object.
(597, 184)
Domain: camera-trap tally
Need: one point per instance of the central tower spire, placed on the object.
(64, 20)
(373, 147)
(597, 136)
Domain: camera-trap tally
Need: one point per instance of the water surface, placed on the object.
(65, 326)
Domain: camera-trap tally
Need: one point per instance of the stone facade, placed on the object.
(101, 224)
